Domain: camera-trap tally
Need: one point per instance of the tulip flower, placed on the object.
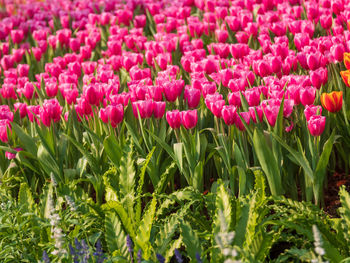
(144, 107)
(312, 110)
(316, 125)
(174, 119)
(228, 114)
(50, 111)
(345, 76)
(193, 97)
(4, 124)
(332, 101)
(189, 119)
(238, 122)
(347, 60)
(158, 109)
(113, 114)
(307, 95)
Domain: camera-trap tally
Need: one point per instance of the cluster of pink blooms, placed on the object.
(264, 50)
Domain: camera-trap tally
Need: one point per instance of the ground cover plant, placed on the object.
(162, 131)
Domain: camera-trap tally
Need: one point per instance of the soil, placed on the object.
(331, 196)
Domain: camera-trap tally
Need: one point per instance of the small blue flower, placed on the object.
(160, 258)
(139, 256)
(198, 257)
(178, 256)
(130, 247)
(45, 257)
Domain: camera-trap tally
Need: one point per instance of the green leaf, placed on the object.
(223, 204)
(25, 198)
(90, 159)
(113, 149)
(141, 182)
(127, 171)
(298, 157)
(115, 235)
(144, 229)
(28, 142)
(268, 163)
(191, 241)
(178, 154)
(123, 216)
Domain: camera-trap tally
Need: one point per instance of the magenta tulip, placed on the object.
(316, 125)
(189, 119)
(174, 119)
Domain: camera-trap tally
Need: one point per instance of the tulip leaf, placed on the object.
(298, 157)
(27, 141)
(178, 147)
(113, 150)
(268, 163)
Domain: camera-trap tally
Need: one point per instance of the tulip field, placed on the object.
(174, 131)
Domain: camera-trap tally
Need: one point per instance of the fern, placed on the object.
(144, 229)
(115, 235)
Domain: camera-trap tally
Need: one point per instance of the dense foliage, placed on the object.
(173, 131)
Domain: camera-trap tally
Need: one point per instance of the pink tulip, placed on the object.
(215, 106)
(37, 53)
(228, 113)
(22, 108)
(4, 125)
(337, 52)
(192, 96)
(307, 95)
(174, 119)
(158, 109)
(113, 114)
(271, 113)
(50, 111)
(17, 36)
(252, 96)
(51, 89)
(189, 119)
(313, 60)
(144, 108)
(253, 111)
(234, 99)
(316, 125)
(312, 110)
(23, 70)
(28, 90)
(238, 122)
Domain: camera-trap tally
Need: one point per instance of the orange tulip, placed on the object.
(347, 60)
(332, 101)
(346, 77)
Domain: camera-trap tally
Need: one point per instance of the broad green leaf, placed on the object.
(144, 229)
(115, 235)
(191, 241)
(27, 141)
(113, 150)
(268, 163)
